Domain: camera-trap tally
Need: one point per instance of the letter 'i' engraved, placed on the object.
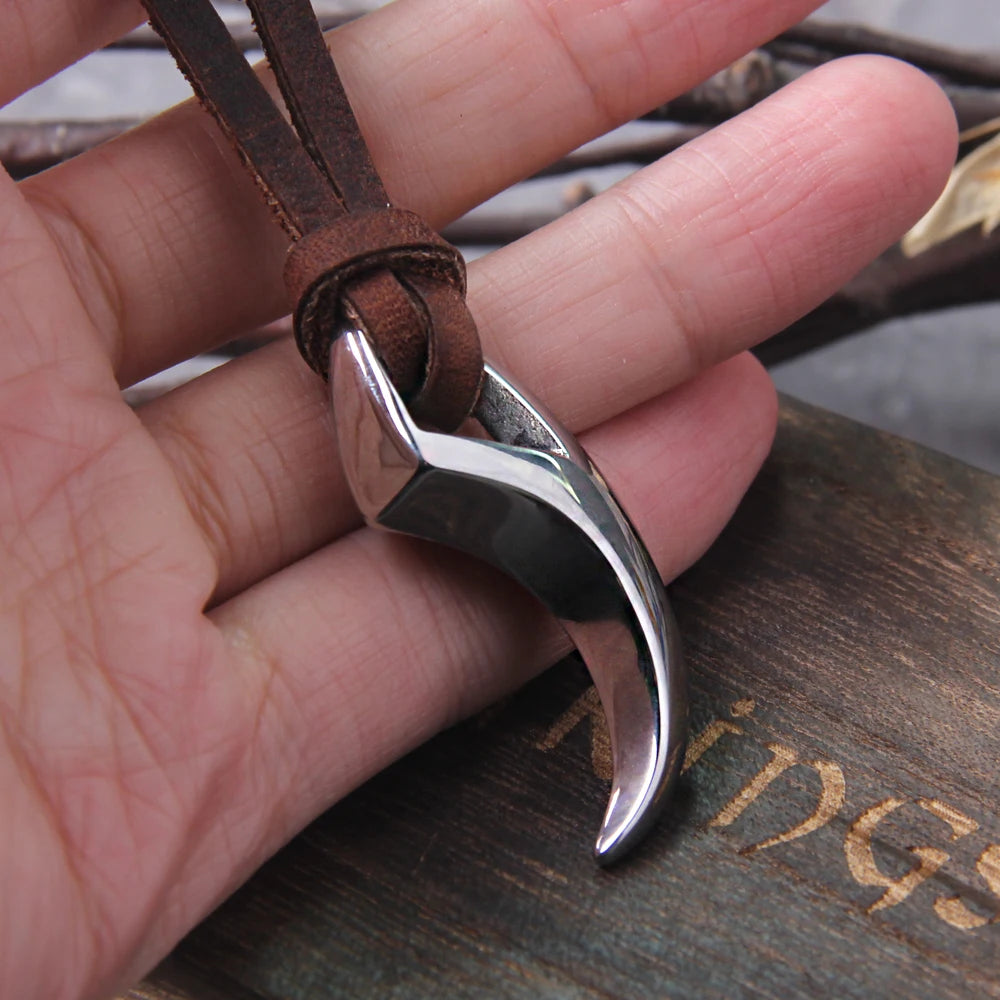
(714, 732)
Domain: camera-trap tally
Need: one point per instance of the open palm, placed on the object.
(155, 752)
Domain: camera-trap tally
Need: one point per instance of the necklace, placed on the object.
(380, 313)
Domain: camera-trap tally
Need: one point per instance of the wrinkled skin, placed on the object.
(155, 752)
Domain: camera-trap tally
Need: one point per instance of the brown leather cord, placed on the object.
(317, 102)
(355, 260)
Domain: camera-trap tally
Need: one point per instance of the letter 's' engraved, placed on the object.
(988, 866)
(953, 911)
(861, 858)
(831, 798)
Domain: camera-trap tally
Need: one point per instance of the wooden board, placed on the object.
(836, 835)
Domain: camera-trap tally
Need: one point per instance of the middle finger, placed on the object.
(173, 249)
(690, 261)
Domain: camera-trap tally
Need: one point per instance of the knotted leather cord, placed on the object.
(355, 260)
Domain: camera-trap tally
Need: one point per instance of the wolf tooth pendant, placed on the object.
(528, 500)
(530, 503)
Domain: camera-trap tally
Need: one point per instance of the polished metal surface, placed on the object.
(529, 502)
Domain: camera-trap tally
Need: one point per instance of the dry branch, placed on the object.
(241, 31)
(963, 271)
(972, 81)
(815, 42)
(730, 92)
(760, 74)
(29, 147)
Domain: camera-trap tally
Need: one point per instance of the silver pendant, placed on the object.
(530, 503)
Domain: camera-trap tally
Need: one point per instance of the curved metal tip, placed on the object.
(635, 803)
(643, 692)
(530, 503)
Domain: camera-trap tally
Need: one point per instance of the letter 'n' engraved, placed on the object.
(784, 758)
(831, 798)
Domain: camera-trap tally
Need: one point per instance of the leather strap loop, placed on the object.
(354, 258)
(343, 275)
(322, 264)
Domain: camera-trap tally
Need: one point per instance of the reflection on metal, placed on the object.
(530, 503)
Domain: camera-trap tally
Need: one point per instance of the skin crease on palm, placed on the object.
(155, 752)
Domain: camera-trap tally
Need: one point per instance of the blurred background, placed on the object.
(931, 378)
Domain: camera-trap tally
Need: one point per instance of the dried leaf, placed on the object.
(971, 198)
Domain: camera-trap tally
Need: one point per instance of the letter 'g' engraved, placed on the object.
(861, 857)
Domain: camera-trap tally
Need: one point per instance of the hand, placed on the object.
(155, 753)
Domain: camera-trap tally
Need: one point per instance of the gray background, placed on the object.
(930, 379)
(933, 378)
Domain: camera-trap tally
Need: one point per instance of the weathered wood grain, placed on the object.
(844, 643)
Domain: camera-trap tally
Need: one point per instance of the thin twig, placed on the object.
(821, 41)
(29, 147)
(963, 271)
(759, 75)
(973, 105)
(730, 92)
(241, 30)
(634, 148)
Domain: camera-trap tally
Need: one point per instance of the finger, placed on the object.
(37, 303)
(173, 248)
(344, 662)
(40, 37)
(732, 238)
(694, 259)
(373, 645)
